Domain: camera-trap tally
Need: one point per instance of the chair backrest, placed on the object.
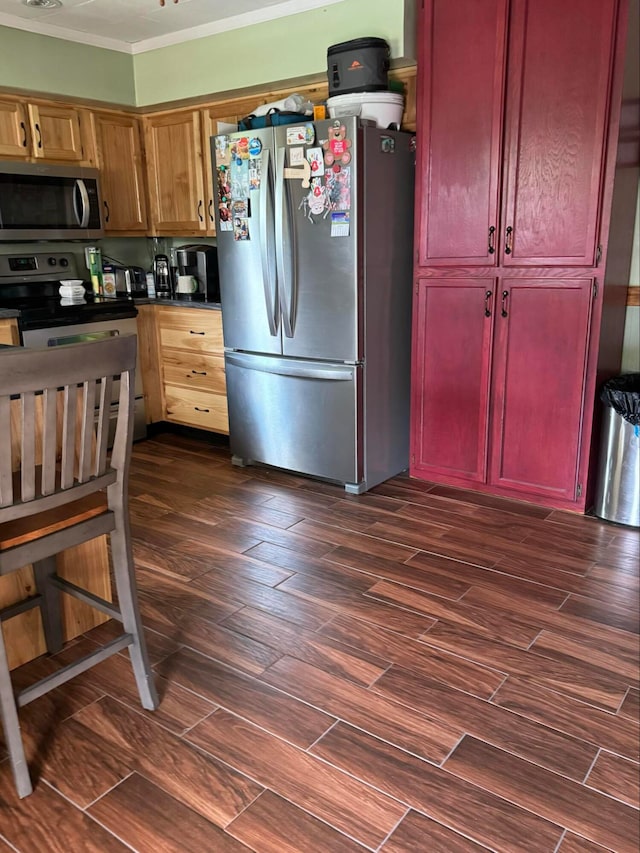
(55, 408)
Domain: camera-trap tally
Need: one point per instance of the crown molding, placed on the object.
(235, 22)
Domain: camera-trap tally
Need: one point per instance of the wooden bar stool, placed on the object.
(49, 504)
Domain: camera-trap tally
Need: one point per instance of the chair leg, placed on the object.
(50, 607)
(11, 726)
(123, 571)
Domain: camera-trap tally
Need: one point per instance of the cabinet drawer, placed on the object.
(191, 328)
(197, 370)
(196, 408)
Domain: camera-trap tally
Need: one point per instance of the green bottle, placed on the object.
(94, 258)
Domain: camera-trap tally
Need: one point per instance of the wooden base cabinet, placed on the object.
(192, 358)
(541, 337)
(491, 406)
(518, 109)
(452, 346)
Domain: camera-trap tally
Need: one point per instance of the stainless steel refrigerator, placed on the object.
(315, 236)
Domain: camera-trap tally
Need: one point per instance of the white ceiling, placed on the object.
(134, 26)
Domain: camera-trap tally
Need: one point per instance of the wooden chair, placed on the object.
(62, 502)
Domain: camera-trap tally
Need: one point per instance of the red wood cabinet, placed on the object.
(453, 325)
(461, 119)
(557, 96)
(540, 352)
(517, 114)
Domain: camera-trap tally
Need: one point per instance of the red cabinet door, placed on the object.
(450, 374)
(540, 353)
(557, 97)
(459, 126)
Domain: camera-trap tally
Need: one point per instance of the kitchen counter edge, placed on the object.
(180, 303)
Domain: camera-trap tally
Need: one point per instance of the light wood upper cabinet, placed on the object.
(39, 130)
(181, 172)
(14, 138)
(119, 158)
(55, 132)
(175, 171)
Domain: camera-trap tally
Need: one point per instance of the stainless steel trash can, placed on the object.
(618, 485)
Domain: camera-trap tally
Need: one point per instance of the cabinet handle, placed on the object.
(492, 234)
(199, 372)
(107, 213)
(487, 303)
(200, 216)
(191, 332)
(23, 127)
(200, 410)
(211, 216)
(505, 296)
(508, 238)
(37, 126)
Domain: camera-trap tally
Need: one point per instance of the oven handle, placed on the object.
(81, 188)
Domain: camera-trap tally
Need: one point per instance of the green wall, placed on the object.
(263, 53)
(44, 64)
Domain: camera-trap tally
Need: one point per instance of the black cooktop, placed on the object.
(41, 306)
(30, 284)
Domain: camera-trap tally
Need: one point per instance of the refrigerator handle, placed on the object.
(269, 283)
(290, 368)
(285, 306)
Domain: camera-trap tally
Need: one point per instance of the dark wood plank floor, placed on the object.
(416, 669)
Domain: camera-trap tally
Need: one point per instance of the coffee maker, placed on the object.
(197, 275)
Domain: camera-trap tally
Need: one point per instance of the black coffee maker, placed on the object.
(200, 262)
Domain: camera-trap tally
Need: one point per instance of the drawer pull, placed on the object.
(191, 332)
(199, 372)
(201, 410)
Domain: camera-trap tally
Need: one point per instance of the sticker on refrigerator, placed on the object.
(240, 149)
(315, 202)
(255, 147)
(223, 151)
(240, 214)
(340, 224)
(224, 199)
(316, 161)
(338, 187)
(296, 156)
(304, 134)
(336, 147)
(255, 173)
(239, 179)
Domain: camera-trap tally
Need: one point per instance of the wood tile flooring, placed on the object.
(416, 670)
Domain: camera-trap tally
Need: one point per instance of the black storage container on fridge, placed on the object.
(359, 65)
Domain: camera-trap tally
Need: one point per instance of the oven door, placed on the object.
(61, 335)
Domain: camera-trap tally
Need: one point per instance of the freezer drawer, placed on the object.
(295, 414)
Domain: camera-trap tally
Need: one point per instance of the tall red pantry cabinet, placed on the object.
(518, 106)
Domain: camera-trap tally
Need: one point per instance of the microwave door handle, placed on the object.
(82, 215)
(270, 288)
(280, 214)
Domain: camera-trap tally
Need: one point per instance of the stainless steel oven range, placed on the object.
(30, 282)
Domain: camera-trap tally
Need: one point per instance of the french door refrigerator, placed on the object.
(315, 234)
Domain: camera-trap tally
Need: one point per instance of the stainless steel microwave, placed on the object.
(46, 202)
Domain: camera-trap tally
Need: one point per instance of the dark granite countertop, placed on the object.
(8, 313)
(180, 303)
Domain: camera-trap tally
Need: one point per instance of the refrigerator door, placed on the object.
(295, 414)
(244, 184)
(317, 253)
